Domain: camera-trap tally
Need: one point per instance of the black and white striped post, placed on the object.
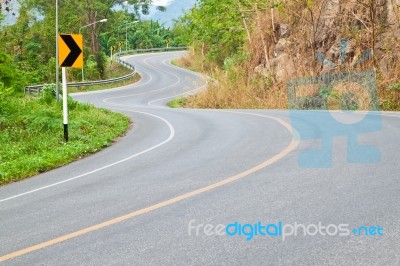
(65, 103)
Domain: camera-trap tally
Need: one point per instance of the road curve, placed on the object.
(148, 198)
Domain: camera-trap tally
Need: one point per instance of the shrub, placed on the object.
(10, 76)
(48, 93)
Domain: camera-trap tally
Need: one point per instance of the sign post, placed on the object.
(112, 52)
(167, 41)
(65, 103)
(70, 55)
(120, 45)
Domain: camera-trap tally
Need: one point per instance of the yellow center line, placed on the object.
(292, 146)
(145, 61)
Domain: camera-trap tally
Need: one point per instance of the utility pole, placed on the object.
(100, 21)
(57, 55)
(126, 35)
(126, 40)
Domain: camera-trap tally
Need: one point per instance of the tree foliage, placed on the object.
(10, 76)
(215, 29)
(31, 41)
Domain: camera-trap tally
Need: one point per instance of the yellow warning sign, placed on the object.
(70, 50)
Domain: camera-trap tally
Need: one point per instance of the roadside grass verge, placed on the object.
(240, 87)
(228, 90)
(177, 103)
(31, 135)
(187, 63)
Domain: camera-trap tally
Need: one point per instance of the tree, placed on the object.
(216, 29)
(31, 40)
(10, 76)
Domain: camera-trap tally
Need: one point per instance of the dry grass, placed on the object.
(242, 87)
(233, 89)
(227, 94)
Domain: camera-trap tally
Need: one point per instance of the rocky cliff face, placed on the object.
(336, 34)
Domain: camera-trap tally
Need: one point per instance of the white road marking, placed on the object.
(146, 92)
(291, 147)
(171, 136)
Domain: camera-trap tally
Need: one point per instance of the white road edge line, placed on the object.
(150, 103)
(171, 136)
(121, 88)
(291, 147)
(176, 95)
(147, 92)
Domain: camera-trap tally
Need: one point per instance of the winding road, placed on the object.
(161, 194)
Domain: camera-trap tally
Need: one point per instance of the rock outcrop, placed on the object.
(298, 46)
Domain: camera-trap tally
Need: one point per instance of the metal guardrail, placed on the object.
(37, 88)
(138, 51)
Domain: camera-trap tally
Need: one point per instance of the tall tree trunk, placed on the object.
(95, 40)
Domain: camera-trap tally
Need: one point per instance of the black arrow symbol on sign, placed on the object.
(75, 51)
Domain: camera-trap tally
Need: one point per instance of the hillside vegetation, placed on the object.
(31, 128)
(253, 48)
(31, 41)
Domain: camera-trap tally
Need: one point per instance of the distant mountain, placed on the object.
(175, 9)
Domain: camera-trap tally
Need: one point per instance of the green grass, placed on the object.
(182, 63)
(177, 103)
(395, 86)
(31, 135)
(175, 62)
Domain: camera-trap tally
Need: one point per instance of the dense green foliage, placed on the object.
(31, 130)
(31, 41)
(10, 77)
(215, 29)
(144, 35)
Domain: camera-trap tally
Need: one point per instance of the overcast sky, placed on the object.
(161, 2)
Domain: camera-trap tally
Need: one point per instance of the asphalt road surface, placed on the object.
(188, 187)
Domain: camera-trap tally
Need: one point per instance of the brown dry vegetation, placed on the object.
(285, 42)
